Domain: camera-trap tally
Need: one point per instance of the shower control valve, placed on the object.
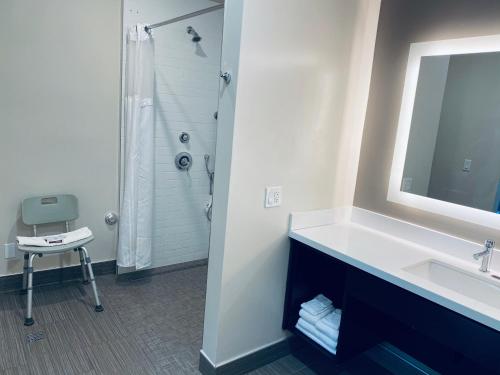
(183, 161)
(184, 137)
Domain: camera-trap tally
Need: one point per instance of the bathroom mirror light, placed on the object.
(436, 105)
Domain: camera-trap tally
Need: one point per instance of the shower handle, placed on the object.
(226, 76)
(183, 161)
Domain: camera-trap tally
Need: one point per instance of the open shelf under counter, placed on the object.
(310, 273)
(375, 310)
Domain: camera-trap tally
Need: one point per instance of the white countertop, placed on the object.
(383, 246)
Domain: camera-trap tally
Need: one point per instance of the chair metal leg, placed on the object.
(28, 321)
(98, 306)
(82, 264)
(25, 274)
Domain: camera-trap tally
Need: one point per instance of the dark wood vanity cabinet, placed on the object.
(374, 310)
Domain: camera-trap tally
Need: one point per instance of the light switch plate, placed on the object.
(273, 196)
(10, 250)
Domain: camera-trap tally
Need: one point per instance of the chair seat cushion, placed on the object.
(55, 249)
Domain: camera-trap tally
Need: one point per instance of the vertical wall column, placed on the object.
(293, 62)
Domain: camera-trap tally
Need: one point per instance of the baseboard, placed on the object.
(134, 275)
(12, 283)
(250, 361)
(55, 276)
(205, 365)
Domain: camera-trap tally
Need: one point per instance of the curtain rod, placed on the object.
(184, 17)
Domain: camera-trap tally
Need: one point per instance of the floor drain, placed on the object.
(36, 336)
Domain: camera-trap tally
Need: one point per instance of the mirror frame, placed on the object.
(482, 44)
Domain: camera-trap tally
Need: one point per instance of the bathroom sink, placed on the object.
(484, 289)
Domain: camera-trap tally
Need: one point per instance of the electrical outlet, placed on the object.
(10, 250)
(273, 196)
(467, 165)
(406, 185)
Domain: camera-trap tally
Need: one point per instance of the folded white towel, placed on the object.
(57, 239)
(317, 305)
(322, 299)
(77, 235)
(310, 331)
(330, 322)
(327, 331)
(313, 319)
(328, 339)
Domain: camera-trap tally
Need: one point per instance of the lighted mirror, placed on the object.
(447, 154)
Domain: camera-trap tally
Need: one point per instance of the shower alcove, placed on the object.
(187, 67)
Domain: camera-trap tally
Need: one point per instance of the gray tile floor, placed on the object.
(152, 325)
(149, 326)
(361, 365)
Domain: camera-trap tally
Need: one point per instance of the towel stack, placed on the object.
(320, 321)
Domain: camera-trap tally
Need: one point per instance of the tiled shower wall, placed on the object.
(186, 97)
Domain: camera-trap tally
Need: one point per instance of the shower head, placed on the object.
(196, 37)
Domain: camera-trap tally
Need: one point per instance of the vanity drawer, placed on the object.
(465, 336)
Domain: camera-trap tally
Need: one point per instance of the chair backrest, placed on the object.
(49, 209)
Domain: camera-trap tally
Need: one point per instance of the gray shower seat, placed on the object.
(46, 210)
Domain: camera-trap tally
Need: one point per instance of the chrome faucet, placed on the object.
(486, 255)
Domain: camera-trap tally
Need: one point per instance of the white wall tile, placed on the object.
(186, 98)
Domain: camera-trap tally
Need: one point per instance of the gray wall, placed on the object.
(401, 23)
(59, 106)
(425, 122)
(469, 129)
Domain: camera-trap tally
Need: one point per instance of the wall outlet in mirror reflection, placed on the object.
(406, 184)
(467, 165)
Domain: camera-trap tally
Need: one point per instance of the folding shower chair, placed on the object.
(45, 210)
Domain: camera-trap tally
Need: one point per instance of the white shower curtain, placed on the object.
(136, 210)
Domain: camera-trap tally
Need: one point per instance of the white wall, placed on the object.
(186, 99)
(425, 122)
(289, 107)
(349, 136)
(59, 106)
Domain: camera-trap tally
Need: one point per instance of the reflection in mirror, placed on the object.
(453, 150)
